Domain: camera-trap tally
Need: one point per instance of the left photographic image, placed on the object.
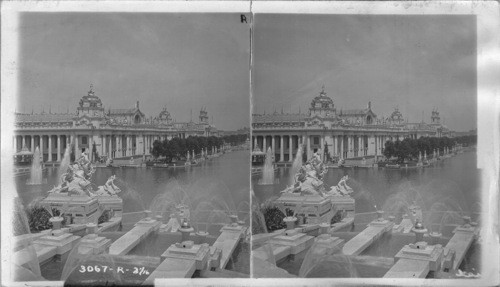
(130, 147)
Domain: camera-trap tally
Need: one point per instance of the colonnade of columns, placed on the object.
(53, 147)
(284, 147)
(128, 145)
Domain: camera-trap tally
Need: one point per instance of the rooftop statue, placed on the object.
(308, 180)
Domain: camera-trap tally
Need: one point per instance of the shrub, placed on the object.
(337, 217)
(105, 216)
(38, 218)
(274, 218)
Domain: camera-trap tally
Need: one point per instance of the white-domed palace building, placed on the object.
(113, 133)
(340, 133)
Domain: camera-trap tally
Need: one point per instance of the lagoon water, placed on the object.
(452, 184)
(227, 174)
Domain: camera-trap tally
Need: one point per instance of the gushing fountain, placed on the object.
(297, 163)
(36, 169)
(268, 170)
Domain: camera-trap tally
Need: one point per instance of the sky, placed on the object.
(415, 63)
(181, 61)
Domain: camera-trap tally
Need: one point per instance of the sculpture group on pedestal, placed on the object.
(309, 180)
(76, 180)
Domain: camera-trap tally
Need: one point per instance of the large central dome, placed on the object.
(322, 105)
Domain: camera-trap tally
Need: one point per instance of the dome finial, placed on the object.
(323, 90)
(91, 91)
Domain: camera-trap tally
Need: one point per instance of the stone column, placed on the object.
(264, 149)
(112, 152)
(143, 145)
(376, 144)
(273, 144)
(119, 151)
(132, 149)
(308, 147)
(50, 148)
(361, 145)
(32, 147)
(290, 147)
(41, 145)
(127, 146)
(138, 149)
(103, 143)
(150, 144)
(334, 145)
(110, 146)
(77, 148)
(322, 147)
(58, 148)
(23, 141)
(350, 144)
(282, 149)
(254, 142)
(118, 147)
(120, 144)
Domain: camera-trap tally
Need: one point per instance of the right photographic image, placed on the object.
(364, 137)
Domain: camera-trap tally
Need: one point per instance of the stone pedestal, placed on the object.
(329, 244)
(234, 227)
(114, 203)
(461, 241)
(290, 222)
(433, 254)
(93, 244)
(383, 223)
(56, 222)
(324, 228)
(91, 228)
(448, 259)
(189, 251)
(435, 236)
(201, 237)
(82, 208)
(214, 258)
(63, 242)
(314, 208)
(297, 242)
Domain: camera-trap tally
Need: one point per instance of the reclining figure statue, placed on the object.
(109, 188)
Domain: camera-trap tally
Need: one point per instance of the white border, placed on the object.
(488, 73)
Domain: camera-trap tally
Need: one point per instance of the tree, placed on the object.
(389, 149)
(157, 149)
